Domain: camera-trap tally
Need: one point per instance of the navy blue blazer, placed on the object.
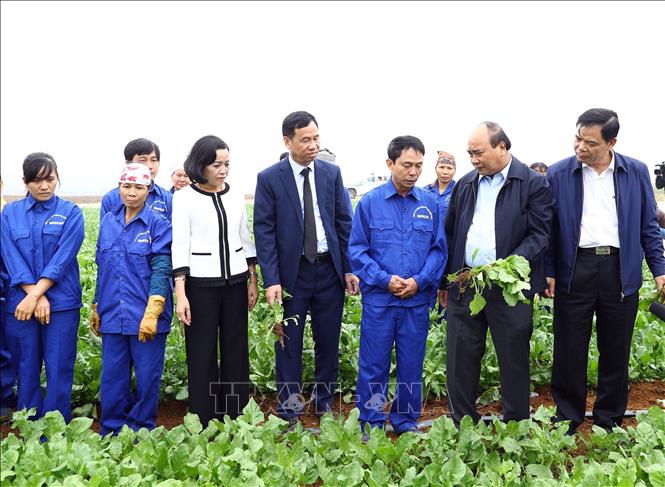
(279, 225)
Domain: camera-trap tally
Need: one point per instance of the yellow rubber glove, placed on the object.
(95, 321)
(153, 309)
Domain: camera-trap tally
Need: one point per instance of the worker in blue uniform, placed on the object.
(133, 304)
(41, 236)
(7, 369)
(443, 186)
(398, 250)
(159, 200)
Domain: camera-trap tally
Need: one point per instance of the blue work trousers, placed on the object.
(7, 366)
(119, 405)
(380, 328)
(53, 345)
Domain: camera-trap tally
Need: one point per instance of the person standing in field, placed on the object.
(500, 208)
(302, 221)
(159, 200)
(41, 236)
(539, 167)
(132, 307)
(7, 366)
(179, 179)
(214, 268)
(398, 250)
(605, 224)
(442, 187)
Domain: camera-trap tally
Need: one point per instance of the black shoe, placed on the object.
(320, 412)
(293, 423)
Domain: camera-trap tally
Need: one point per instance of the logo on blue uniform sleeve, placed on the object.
(143, 237)
(158, 206)
(422, 213)
(56, 219)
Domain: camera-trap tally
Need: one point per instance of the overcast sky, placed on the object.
(79, 80)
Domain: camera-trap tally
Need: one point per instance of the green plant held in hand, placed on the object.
(278, 322)
(510, 274)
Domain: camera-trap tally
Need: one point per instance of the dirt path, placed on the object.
(642, 396)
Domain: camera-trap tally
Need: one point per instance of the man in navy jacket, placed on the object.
(605, 224)
(499, 209)
(314, 273)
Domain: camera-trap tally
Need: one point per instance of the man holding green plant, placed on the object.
(499, 209)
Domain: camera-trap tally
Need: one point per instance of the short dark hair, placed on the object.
(296, 120)
(538, 165)
(402, 143)
(497, 134)
(39, 165)
(607, 119)
(203, 154)
(140, 147)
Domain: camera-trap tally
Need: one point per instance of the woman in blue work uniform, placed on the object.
(41, 235)
(133, 304)
(442, 188)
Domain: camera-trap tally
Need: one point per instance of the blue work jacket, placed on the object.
(396, 235)
(124, 254)
(639, 232)
(159, 200)
(41, 240)
(443, 199)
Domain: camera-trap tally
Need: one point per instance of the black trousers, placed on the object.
(595, 288)
(219, 321)
(511, 329)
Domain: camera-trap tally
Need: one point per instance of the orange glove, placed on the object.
(95, 321)
(153, 309)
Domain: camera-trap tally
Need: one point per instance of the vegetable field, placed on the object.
(253, 450)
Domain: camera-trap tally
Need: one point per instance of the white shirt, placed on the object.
(322, 243)
(199, 219)
(482, 233)
(600, 225)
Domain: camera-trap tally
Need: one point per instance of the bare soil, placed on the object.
(642, 396)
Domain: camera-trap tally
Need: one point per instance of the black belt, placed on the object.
(603, 250)
(321, 257)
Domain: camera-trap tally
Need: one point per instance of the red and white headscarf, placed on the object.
(135, 172)
(444, 157)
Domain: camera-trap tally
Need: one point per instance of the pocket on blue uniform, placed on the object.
(423, 232)
(20, 232)
(138, 254)
(53, 230)
(381, 230)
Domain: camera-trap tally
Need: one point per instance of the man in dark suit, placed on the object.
(302, 222)
(500, 208)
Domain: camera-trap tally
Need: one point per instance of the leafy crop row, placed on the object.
(251, 451)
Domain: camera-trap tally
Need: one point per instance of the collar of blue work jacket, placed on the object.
(48, 204)
(390, 191)
(434, 187)
(120, 214)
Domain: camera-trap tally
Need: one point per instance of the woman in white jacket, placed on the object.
(214, 262)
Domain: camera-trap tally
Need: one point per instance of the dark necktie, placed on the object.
(310, 223)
